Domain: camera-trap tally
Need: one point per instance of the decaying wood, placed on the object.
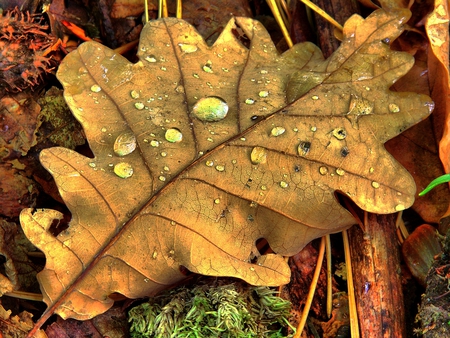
(376, 269)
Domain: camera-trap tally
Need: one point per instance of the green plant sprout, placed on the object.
(441, 179)
(225, 311)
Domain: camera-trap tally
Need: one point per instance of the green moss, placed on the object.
(212, 311)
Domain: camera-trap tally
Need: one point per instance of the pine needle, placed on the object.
(354, 326)
(279, 18)
(322, 13)
(329, 276)
(312, 289)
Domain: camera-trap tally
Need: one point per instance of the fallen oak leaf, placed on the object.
(174, 183)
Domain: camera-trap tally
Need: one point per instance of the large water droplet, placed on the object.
(258, 155)
(358, 106)
(375, 184)
(263, 93)
(303, 148)
(96, 88)
(186, 48)
(173, 135)
(211, 108)
(134, 94)
(277, 131)
(340, 171)
(139, 105)
(249, 101)
(323, 170)
(125, 144)
(284, 184)
(339, 133)
(150, 58)
(393, 108)
(123, 170)
(207, 67)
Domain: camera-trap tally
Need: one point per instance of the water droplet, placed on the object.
(345, 151)
(209, 163)
(313, 129)
(400, 207)
(277, 131)
(134, 94)
(360, 106)
(339, 133)
(211, 109)
(249, 101)
(263, 71)
(96, 88)
(323, 170)
(217, 201)
(139, 105)
(103, 130)
(186, 48)
(196, 75)
(315, 97)
(207, 67)
(173, 135)
(340, 171)
(162, 178)
(303, 148)
(258, 155)
(264, 187)
(155, 254)
(284, 184)
(163, 68)
(376, 185)
(154, 143)
(150, 58)
(252, 268)
(220, 168)
(123, 170)
(371, 170)
(263, 93)
(125, 144)
(386, 41)
(163, 154)
(393, 108)
(92, 164)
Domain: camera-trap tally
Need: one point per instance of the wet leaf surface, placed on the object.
(201, 151)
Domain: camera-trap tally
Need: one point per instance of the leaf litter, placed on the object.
(297, 129)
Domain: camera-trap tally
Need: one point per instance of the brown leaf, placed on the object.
(17, 326)
(16, 190)
(203, 189)
(20, 271)
(18, 124)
